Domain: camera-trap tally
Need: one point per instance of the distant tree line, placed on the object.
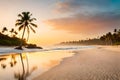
(110, 38)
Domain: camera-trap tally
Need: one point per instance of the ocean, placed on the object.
(29, 63)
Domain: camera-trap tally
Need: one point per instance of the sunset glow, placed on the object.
(63, 20)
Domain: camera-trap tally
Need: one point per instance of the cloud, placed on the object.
(66, 6)
(88, 16)
(87, 24)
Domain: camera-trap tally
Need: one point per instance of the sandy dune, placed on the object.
(92, 64)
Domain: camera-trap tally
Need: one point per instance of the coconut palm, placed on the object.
(15, 33)
(12, 31)
(4, 29)
(24, 22)
(115, 30)
(109, 38)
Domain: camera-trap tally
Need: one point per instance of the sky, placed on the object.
(63, 20)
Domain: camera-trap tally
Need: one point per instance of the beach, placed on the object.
(101, 63)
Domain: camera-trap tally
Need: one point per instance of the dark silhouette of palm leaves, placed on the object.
(4, 29)
(26, 22)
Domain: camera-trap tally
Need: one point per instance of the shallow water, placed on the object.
(27, 65)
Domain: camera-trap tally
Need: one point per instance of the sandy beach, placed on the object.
(102, 63)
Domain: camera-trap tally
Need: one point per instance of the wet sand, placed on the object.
(101, 63)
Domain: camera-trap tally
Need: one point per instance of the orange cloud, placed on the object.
(86, 24)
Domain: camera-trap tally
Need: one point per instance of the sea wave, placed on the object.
(6, 50)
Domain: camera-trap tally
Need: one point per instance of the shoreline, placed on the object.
(98, 63)
(8, 50)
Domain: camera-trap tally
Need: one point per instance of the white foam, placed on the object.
(6, 50)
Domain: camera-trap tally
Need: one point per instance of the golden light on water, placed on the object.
(36, 63)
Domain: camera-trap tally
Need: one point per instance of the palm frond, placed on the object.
(23, 13)
(27, 13)
(32, 29)
(30, 14)
(19, 15)
(18, 24)
(18, 20)
(21, 27)
(34, 25)
(32, 19)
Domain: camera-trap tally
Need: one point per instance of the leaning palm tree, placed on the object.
(25, 22)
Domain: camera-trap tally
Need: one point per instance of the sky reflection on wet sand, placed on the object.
(35, 63)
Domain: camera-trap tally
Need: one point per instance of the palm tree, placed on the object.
(12, 31)
(4, 29)
(25, 22)
(115, 30)
(109, 38)
(15, 33)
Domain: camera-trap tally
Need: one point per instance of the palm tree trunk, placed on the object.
(22, 37)
(28, 37)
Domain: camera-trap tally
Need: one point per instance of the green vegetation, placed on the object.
(107, 39)
(24, 22)
(7, 40)
(111, 38)
(32, 46)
